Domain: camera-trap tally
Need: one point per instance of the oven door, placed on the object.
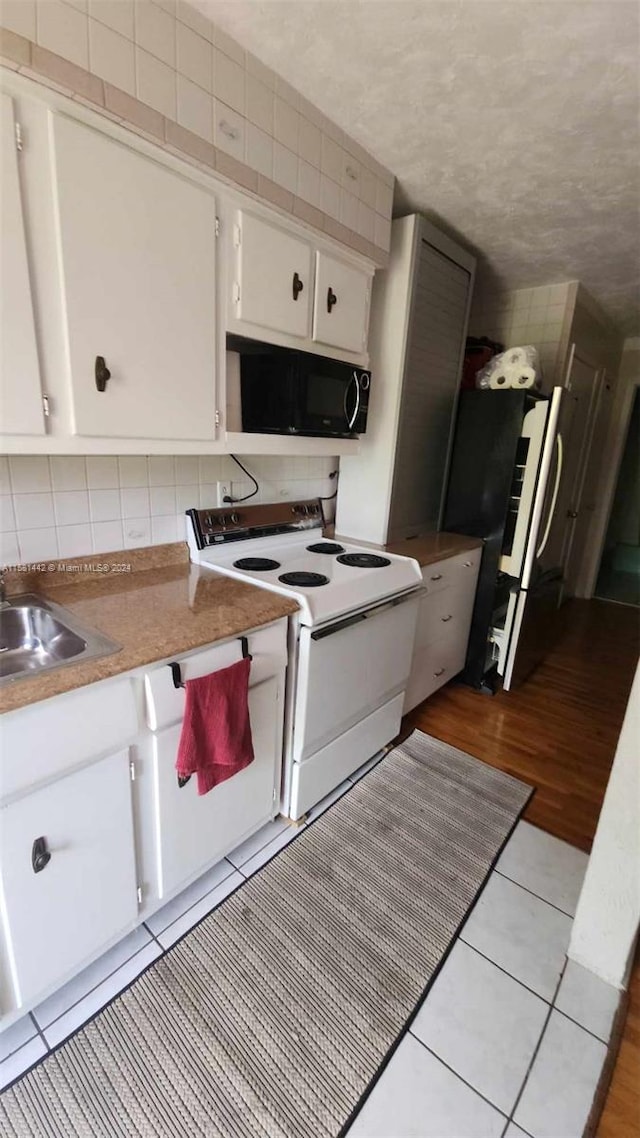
(333, 397)
(350, 668)
(352, 677)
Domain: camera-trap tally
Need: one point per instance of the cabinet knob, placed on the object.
(297, 286)
(444, 619)
(437, 577)
(331, 299)
(40, 856)
(102, 373)
(467, 564)
(439, 672)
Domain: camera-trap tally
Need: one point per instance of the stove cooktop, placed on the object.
(280, 546)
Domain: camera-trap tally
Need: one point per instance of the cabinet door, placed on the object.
(193, 831)
(55, 918)
(272, 267)
(341, 305)
(137, 247)
(20, 392)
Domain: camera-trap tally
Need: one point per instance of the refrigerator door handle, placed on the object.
(552, 509)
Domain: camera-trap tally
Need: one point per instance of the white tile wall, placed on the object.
(174, 60)
(70, 506)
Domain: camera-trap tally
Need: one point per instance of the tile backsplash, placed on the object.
(70, 506)
(163, 69)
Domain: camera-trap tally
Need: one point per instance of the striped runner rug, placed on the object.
(271, 1018)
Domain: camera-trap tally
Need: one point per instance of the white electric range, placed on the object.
(350, 643)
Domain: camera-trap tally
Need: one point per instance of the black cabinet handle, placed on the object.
(331, 299)
(297, 286)
(40, 856)
(102, 373)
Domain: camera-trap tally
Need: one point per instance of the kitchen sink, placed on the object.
(37, 635)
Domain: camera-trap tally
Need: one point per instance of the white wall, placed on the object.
(606, 462)
(70, 506)
(608, 914)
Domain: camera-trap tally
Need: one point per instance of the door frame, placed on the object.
(614, 448)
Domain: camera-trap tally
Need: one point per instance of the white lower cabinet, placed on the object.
(90, 844)
(193, 831)
(68, 876)
(183, 833)
(444, 621)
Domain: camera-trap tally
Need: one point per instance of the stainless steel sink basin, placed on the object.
(37, 635)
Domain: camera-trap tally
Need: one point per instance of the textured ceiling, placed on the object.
(513, 123)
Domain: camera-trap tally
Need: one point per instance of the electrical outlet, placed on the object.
(223, 490)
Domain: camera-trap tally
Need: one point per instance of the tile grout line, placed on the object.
(89, 991)
(458, 1075)
(232, 868)
(526, 889)
(536, 1050)
(39, 1031)
(506, 973)
(581, 1026)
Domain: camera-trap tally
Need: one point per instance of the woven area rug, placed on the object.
(273, 1015)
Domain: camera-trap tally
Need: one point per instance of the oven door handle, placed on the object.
(375, 610)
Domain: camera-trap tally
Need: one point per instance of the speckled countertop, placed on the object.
(426, 549)
(434, 546)
(162, 606)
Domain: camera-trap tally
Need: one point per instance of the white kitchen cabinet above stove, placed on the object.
(129, 253)
(283, 287)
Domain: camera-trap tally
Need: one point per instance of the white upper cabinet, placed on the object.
(341, 304)
(20, 391)
(274, 281)
(137, 246)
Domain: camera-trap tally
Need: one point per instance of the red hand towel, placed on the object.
(215, 742)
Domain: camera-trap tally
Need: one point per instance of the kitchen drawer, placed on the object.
(452, 571)
(165, 703)
(447, 611)
(312, 779)
(193, 831)
(435, 664)
(47, 739)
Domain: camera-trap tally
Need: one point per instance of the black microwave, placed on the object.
(286, 392)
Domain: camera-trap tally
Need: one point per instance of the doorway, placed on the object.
(619, 573)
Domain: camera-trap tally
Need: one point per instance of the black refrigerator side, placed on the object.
(481, 472)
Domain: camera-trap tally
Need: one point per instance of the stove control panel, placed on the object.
(219, 526)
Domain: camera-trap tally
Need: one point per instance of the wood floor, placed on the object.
(559, 732)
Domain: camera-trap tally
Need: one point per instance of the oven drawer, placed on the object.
(165, 703)
(452, 571)
(312, 780)
(349, 669)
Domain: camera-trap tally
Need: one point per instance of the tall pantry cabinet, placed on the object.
(419, 315)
